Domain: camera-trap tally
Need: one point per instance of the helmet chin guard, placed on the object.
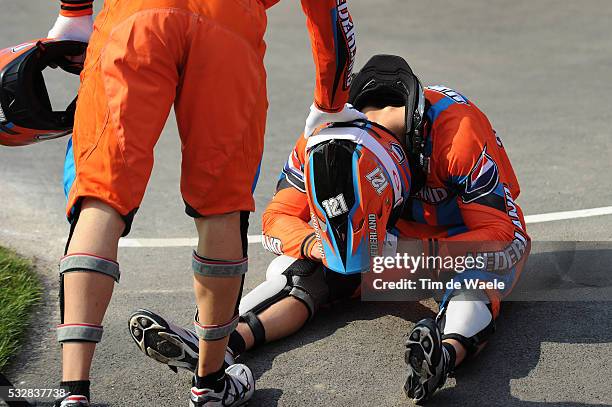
(26, 113)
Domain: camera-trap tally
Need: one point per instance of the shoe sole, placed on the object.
(153, 336)
(418, 346)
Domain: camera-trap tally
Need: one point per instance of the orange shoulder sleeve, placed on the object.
(490, 214)
(285, 220)
(332, 37)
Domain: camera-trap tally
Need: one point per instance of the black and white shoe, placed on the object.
(72, 401)
(238, 390)
(166, 342)
(427, 360)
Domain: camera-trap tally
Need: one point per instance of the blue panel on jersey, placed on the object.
(69, 169)
(417, 211)
(456, 180)
(457, 230)
(436, 109)
(256, 178)
(499, 190)
(334, 18)
(448, 213)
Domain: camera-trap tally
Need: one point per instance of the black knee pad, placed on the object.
(308, 284)
(468, 321)
(299, 278)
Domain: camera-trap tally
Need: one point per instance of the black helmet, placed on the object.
(387, 80)
(26, 115)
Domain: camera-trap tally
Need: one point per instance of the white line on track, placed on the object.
(581, 213)
(171, 242)
(530, 219)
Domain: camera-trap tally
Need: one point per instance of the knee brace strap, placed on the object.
(472, 343)
(80, 262)
(257, 328)
(306, 298)
(79, 333)
(219, 268)
(469, 322)
(214, 332)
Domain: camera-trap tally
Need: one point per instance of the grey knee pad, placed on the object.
(214, 332)
(468, 319)
(218, 268)
(286, 276)
(74, 263)
(222, 268)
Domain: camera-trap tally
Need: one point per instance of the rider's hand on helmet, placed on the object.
(318, 117)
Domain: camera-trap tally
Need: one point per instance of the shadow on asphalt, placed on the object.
(327, 321)
(512, 352)
(576, 271)
(515, 349)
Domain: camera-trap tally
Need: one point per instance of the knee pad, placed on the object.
(308, 284)
(214, 332)
(83, 263)
(225, 268)
(469, 321)
(218, 268)
(222, 268)
(286, 276)
(80, 262)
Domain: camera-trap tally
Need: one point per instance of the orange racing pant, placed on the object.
(203, 57)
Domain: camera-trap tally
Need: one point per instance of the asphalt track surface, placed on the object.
(540, 70)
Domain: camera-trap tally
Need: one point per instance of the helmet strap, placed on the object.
(419, 159)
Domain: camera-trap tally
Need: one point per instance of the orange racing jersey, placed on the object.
(332, 36)
(469, 196)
